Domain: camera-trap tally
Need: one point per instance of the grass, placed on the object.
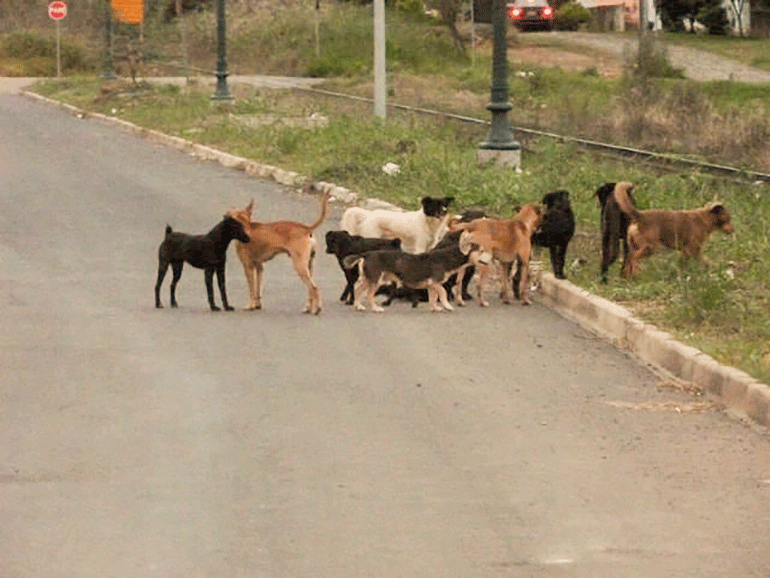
(724, 310)
(751, 51)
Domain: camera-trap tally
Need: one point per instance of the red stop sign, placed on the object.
(57, 10)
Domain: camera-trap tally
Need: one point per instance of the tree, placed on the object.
(738, 7)
(450, 10)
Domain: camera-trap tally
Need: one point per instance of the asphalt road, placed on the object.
(137, 442)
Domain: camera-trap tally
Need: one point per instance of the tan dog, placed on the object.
(509, 241)
(685, 231)
(270, 239)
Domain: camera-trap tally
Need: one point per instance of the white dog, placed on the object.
(418, 230)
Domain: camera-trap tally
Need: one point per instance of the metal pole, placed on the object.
(379, 58)
(58, 48)
(500, 144)
(222, 92)
(109, 62)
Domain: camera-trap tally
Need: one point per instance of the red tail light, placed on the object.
(547, 12)
(514, 12)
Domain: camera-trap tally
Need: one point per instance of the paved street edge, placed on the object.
(732, 387)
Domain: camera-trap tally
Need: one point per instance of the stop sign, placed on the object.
(57, 10)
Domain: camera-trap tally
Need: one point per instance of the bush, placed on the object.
(571, 15)
(38, 53)
(714, 18)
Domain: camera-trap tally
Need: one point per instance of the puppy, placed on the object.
(685, 231)
(418, 230)
(427, 270)
(508, 241)
(207, 252)
(266, 240)
(614, 226)
(555, 230)
(341, 244)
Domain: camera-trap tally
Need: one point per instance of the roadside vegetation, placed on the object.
(723, 309)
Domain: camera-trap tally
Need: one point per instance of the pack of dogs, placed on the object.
(429, 255)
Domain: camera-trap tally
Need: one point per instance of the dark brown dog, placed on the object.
(270, 239)
(685, 231)
(614, 226)
(509, 241)
(427, 270)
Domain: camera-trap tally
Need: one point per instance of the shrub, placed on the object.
(571, 15)
(38, 53)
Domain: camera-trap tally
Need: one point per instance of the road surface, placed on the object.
(137, 442)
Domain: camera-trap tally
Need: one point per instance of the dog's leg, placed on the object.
(457, 289)
(249, 270)
(176, 269)
(610, 252)
(440, 292)
(259, 270)
(303, 268)
(631, 264)
(433, 298)
(505, 282)
(524, 283)
(209, 276)
(162, 268)
(222, 290)
(351, 276)
(516, 283)
(558, 253)
(371, 289)
(481, 284)
(467, 277)
(359, 290)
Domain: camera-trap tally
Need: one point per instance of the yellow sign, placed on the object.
(129, 11)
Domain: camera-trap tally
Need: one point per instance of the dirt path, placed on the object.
(697, 65)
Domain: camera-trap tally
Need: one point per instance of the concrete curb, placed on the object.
(732, 387)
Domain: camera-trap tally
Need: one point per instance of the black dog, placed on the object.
(614, 227)
(341, 244)
(556, 229)
(207, 252)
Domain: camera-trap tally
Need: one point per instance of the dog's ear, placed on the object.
(448, 200)
(249, 207)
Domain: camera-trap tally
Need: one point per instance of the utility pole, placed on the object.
(379, 58)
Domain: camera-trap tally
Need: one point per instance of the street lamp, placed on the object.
(108, 71)
(500, 144)
(222, 92)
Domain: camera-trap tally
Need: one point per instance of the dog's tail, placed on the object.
(324, 209)
(169, 230)
(352, 261)
(625, 201)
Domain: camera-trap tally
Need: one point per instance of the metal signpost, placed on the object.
(57, 10)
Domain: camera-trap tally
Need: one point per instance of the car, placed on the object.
(528, 14)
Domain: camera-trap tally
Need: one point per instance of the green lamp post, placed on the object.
(500, 145)
(221, 92)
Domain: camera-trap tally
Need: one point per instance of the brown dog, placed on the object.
(270, 239)
(685, 231)
(509, 241)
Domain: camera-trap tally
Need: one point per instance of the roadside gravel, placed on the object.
(697, 65)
